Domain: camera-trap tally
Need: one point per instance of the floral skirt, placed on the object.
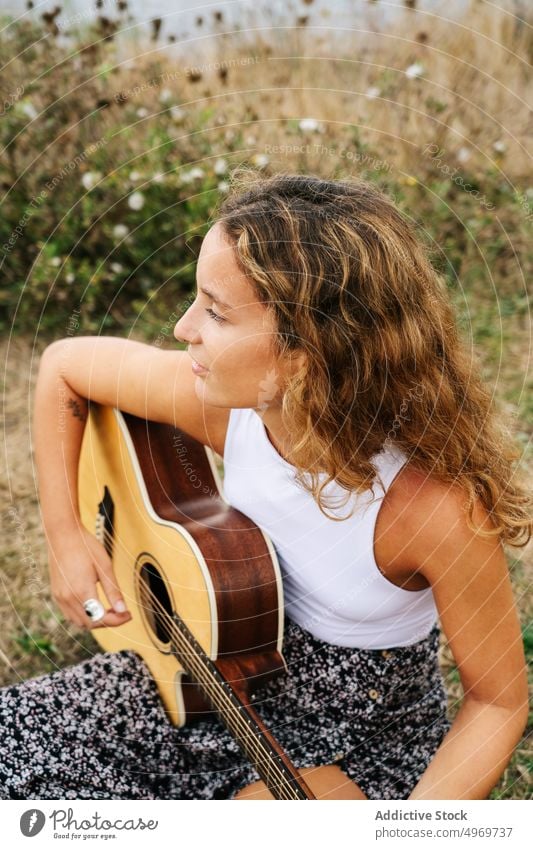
(98, 730)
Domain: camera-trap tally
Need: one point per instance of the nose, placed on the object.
(185, 331)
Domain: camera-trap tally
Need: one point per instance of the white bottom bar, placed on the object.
(321, 824)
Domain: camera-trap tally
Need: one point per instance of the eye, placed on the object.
(214, 315)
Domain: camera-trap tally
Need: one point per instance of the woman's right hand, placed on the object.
(77, 561)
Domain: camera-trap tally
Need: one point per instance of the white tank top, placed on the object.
(332, 585)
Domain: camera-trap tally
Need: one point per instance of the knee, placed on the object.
(255, 790)
(325, 782)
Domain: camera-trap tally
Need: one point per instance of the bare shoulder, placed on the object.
(427, 536)
(204, 422)
(181, 405)
(429, 505)
(421, 521)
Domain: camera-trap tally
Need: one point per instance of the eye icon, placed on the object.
(31, 822)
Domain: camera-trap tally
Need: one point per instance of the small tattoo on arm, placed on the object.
(77, 411)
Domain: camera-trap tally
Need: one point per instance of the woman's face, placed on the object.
(231, 333)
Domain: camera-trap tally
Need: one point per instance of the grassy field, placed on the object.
(112, 166)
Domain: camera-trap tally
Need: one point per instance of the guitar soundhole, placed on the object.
(155, 601)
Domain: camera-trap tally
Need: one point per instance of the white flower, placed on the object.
(116, 267)
(165, 95)
(29, 109)
(373, 91)
(176, 113)
(136, 201)
(158, 177)
(55, 261)
(229, 135)
(70, 277)
(309, 125)
(223, 186)
(120, 231)
(193, 174)
(499, 146)
(220, 166)
(135, 175)
(90, 178)
(250, 140)
(260, 159)
(414, 70)
(463, 154)
(142, 112)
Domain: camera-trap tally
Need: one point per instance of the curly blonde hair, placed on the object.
(351, 283)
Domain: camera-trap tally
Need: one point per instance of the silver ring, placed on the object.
(94, 609)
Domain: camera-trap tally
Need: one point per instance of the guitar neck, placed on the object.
(239, 717)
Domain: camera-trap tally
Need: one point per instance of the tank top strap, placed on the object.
(388, 464)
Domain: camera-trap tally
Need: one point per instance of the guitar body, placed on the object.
(153, 495)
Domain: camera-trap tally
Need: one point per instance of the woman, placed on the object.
(326, 366)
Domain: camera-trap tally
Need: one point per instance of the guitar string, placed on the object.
(208, 686)
(248, 737)
(240, 720)
(247, 734)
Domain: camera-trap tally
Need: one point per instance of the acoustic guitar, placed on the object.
(201, 580)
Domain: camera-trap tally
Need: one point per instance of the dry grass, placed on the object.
(472, 92)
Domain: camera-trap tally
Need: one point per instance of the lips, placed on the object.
(198, 363)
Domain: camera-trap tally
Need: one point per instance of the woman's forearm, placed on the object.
(58, 424)
(474, 753)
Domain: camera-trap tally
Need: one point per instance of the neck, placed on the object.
(276, 432)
